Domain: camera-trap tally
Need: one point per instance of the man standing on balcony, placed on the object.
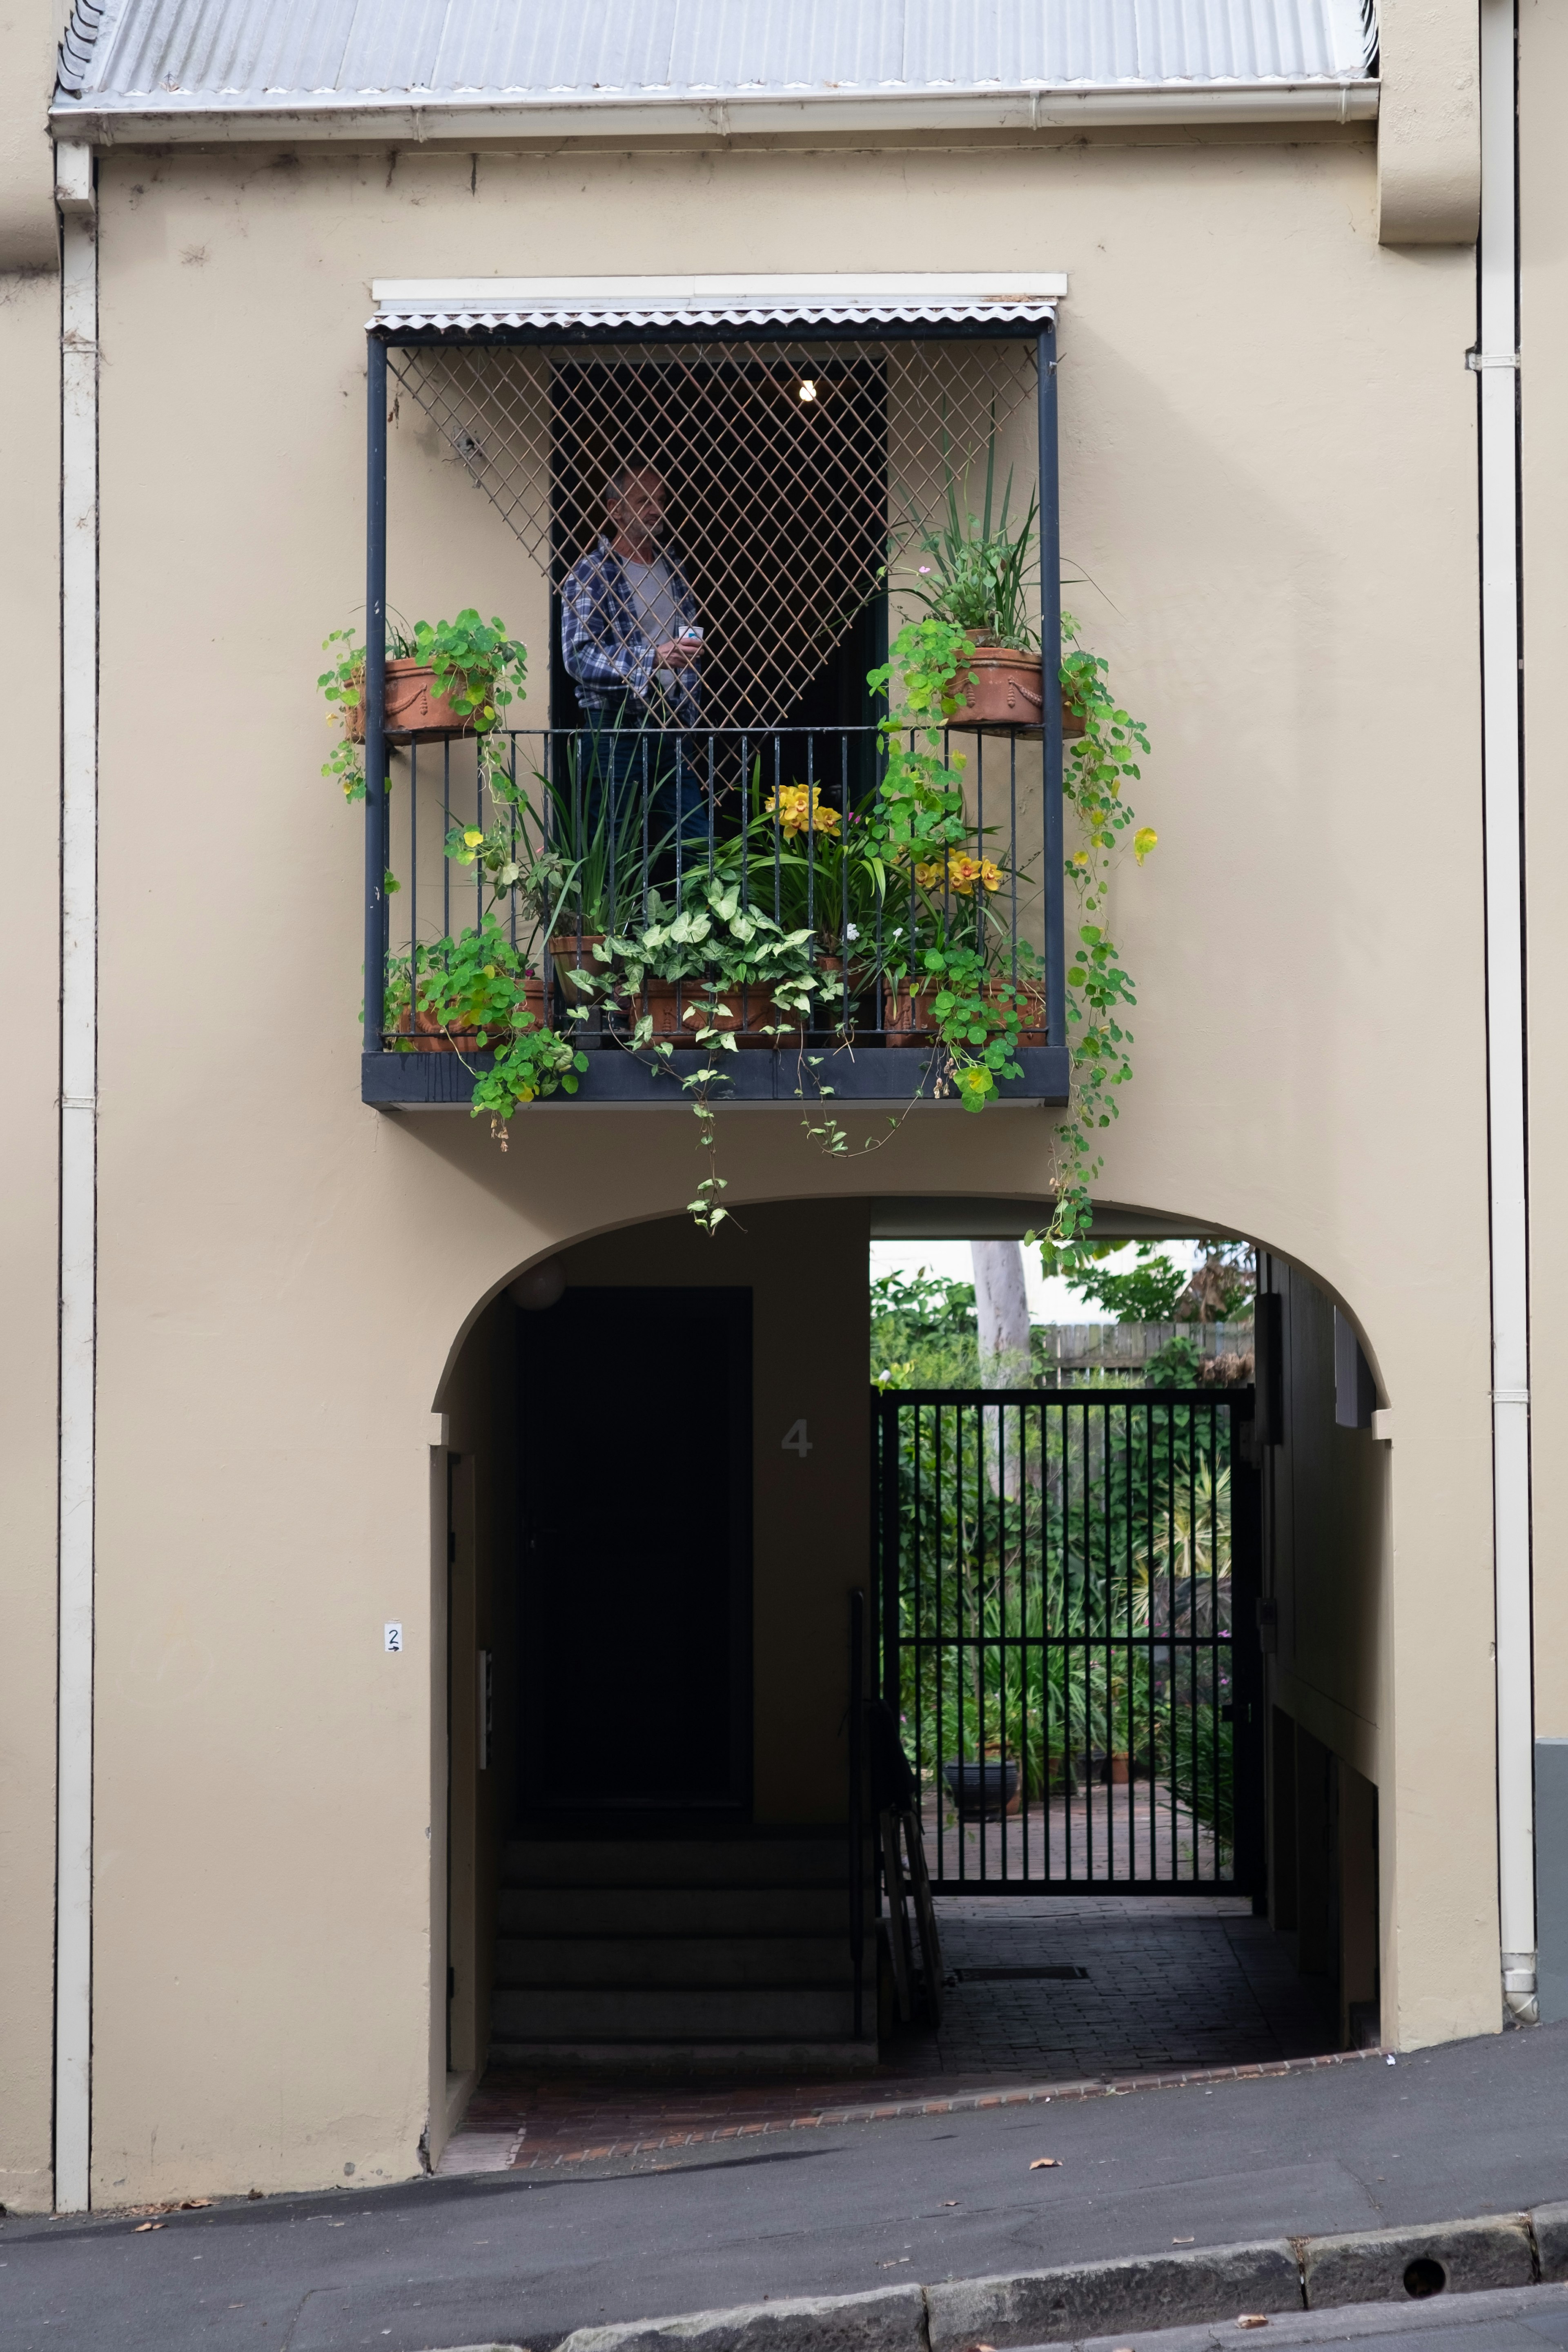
(632, 645)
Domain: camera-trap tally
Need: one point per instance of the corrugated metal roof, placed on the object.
(1024, 298)
(229, 54)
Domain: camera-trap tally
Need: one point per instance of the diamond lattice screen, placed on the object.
(797, 476)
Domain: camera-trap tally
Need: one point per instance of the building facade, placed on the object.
(271, 1392)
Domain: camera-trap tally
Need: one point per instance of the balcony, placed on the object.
(732, 864)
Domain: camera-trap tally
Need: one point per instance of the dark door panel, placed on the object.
(635, 1600)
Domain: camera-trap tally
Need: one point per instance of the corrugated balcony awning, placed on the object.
(478, 305)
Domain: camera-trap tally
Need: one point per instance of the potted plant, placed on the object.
(443, 678)
(456, 995)
(982, 1791)
(599, 840)
(977, 576)
(711, 969)
(476, 994)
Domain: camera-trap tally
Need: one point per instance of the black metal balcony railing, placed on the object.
(549, 842)
(845, 445)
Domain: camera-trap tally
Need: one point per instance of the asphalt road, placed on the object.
(1473, 2128)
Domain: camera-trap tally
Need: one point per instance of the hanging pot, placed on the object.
(1002, 689)
(415, 712)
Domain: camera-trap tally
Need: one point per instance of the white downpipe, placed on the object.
(79, 1202)
(1497, 375)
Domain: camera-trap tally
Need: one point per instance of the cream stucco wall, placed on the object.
(1269, 470)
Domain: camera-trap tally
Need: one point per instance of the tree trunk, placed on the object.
(1002, 1313)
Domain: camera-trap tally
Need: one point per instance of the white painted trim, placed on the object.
(884, 114)
(79, 1202)
(73, 177)
(821, 289)
(1501, 681)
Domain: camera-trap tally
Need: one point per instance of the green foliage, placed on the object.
(1099, 764)
(978, 574)
(1178, 1365)
(921, 830)
(822, 869)
(478, 666)
(343, 686)
(1027, 1604)
(475, 986)
(727, 952)
(1147, 1292)
(923, 1333)
(475, 664)
(724, 947)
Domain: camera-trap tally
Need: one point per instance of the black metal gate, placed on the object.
(1066, 1605)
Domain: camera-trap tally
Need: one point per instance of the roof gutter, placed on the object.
(164, 118)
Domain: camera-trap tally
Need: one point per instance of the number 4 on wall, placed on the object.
(796, 1440)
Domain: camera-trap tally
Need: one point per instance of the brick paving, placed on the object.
(1177, 1987)
(1137, 1831)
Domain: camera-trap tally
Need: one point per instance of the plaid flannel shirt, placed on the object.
(602, 641)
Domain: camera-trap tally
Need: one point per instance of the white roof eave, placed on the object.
(168, 116)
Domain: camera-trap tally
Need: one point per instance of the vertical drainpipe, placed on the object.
(1496, 363)
(79, 1173)
(377, 842)
(1050, 668)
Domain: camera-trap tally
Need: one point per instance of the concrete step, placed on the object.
(621, 1911)
(811, 2060)
(710, 2013)
(662, 1960)
(786, 1861)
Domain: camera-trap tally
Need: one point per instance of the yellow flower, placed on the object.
(799, 809)
(961, 874)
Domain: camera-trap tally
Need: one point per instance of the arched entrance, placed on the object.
(663, 1500)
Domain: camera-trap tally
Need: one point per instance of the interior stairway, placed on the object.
(710, 1952)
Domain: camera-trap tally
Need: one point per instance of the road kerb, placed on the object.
(1078, 2299)
(888, 2319)
(1134, 2293)
(1407, 2265)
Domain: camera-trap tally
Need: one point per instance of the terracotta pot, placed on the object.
(658, 1000)
(415, 712)
(1118, 1770)
(906, 1012)
(1007, 991)
(573, 958)
(1004, 691)
(431, 1037)
(831, 1012)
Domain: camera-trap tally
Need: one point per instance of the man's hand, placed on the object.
(679, 653)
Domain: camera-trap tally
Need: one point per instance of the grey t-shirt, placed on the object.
(653, 593)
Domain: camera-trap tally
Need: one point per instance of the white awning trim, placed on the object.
(1027, 298)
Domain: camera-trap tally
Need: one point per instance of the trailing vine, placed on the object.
(1098, 766)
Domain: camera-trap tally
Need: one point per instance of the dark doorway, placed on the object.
(635, 1586)
(778, 516)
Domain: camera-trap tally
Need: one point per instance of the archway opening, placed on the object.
(675, 1536)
